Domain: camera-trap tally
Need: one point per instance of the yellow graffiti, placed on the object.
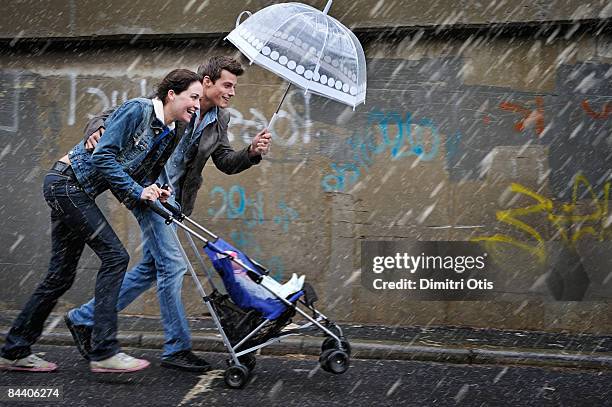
(564, 223)
(571, 226)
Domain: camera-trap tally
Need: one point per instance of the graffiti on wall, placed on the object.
(569, 224)
(234, 203)
(391, 136)
(292, 125)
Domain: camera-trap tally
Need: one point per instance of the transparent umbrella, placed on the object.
(307, 47)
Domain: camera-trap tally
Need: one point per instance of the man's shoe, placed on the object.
(120, 363)
(81, 335)
(31, 363)
(185, 360)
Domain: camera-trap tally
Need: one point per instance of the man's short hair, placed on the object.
(213, 67)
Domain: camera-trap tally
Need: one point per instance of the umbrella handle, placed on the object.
(240, 16)
(272, 120)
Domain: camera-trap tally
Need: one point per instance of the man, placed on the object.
(162, 262)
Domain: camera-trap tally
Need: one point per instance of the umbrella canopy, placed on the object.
(308, 48)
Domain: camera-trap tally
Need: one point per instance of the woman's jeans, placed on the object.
(75, 221)
(162, 264)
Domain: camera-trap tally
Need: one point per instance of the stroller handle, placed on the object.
(166, 215)
(176, 212)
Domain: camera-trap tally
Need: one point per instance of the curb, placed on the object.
(308, 345)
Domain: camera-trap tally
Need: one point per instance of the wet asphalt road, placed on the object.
(297, 381)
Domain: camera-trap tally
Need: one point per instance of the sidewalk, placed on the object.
(439, 344)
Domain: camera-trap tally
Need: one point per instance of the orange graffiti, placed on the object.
(530, 116)
(607, 110)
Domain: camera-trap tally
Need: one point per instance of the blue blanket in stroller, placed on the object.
(245, 292)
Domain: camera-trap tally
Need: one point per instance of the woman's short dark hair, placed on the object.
(178, 80)
(213, 67)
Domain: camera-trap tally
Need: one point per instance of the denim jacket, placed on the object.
(212, 143)
(131, 132)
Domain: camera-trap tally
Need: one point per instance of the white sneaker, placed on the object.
(120, 363)
(31, 363)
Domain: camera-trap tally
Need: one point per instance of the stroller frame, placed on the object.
(335, 349)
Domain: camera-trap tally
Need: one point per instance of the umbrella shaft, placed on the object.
(273, 119)
(283, 98)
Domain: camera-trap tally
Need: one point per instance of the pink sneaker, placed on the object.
(31, 363)
(119, 363)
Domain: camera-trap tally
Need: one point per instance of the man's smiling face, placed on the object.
(220, 92)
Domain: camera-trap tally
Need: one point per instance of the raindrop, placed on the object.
(274, 391)
(426, 212)
(394, 387)
(462, 392)
(14, 245)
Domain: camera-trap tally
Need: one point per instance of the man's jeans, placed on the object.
(162, 262)
(75, 220)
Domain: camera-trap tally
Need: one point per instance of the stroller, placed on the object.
(256, 310)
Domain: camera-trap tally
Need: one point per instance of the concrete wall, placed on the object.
(460, 125)
(22, 19)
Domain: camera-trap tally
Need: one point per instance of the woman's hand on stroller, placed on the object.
(152, 193)
(166, 193)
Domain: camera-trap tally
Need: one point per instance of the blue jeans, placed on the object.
(162, 262)
(76, 220)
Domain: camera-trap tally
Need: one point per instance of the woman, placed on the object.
(138, 140)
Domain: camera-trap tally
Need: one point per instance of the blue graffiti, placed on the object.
(384, 131)
(452, 148)
(405, 143)
(287, 216)
(235, 204)
(246, 242)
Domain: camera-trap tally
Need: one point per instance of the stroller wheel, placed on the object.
(248, 361)
(330, 343)
(323, 359)
(236, 376)
(334, 361)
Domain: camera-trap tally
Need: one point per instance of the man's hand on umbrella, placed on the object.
(261, 143)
